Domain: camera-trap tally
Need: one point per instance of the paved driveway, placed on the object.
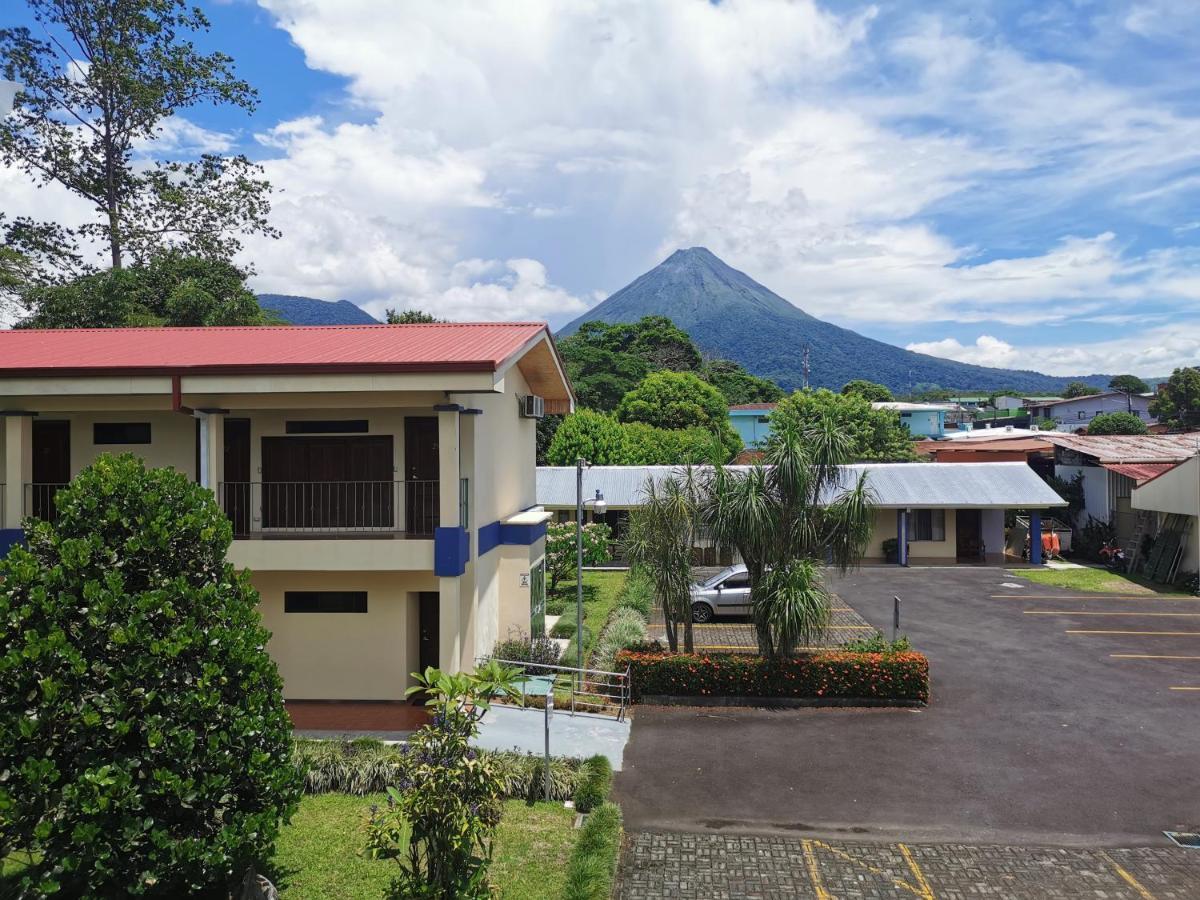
(1049, 724)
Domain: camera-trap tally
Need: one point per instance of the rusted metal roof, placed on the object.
(1128, 448)
(1140, 472)
(457, 346)
(754, 406)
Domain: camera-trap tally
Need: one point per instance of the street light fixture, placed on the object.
(8, 96)
(599, 506)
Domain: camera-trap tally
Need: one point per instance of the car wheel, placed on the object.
(701, 612)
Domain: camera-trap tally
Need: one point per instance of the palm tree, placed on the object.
(786, 516)
(659, 538)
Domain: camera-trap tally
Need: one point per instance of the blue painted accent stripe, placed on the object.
(9, 538)
(497, 533)
(489, 538)
(451, 550)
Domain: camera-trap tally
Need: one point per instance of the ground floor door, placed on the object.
(428, 635)
(51, 466)
(969, 534)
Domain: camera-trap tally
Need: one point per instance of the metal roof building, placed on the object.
(1005, 485)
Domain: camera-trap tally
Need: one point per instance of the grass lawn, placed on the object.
(320, 854)
(600, 587)
(1093, 580)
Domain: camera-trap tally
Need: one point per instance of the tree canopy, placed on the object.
(674, 400)
(1116, 423)
(873, 434)
(738, 385)
(410, 317)
(102, 83)
(1128, 384)
(1080, 389)
(1178, 403)
(169, 289)
(876, 393)
(591, 435)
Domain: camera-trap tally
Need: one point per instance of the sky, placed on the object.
(1006, 183)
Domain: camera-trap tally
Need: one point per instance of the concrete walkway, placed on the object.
(580, 735)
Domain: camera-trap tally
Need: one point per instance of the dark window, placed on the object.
(325, 601)
(328, 426)
(121, 433)
(927, 525)
(736, 582)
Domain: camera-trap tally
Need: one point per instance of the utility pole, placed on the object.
(806, 348)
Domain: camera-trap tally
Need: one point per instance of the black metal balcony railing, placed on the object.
(39, 501)
(409, 507)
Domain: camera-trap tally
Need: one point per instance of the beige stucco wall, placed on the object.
(172, 439)
(344, 656)
(1176, 491)
(885, 528)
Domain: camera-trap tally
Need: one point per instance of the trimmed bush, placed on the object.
(593, 862)
(144, 743)
(832, 675)
(556, 604)
(595, 782)
(626, 628)
(637, 593)
(538, 651)
(565, 628)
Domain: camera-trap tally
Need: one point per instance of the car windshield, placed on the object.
(720, 576)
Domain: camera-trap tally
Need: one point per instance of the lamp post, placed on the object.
(8, 96)
(599, 505)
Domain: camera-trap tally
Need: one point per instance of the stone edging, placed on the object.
(776, 702)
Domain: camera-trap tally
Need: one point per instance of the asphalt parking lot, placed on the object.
(1056, 719)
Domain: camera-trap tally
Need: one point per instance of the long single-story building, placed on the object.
(938, 512)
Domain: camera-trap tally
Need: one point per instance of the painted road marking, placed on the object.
(1155, 597)
(1156, 633)
(1148, 656)
(1128, 879)
(814, 871)
(922, 890)
(1185, 688)
(1082, 612)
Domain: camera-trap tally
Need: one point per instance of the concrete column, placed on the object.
(902, 535)
(1035, 538)
(450, 626)
(18, 467)
(212, 450)
(449, 464)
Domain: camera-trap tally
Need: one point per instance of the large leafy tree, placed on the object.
(786, 516)
(738, 385)
(101, 80)
(876, 393)
(1116, 423)
(145, 745)
(410, 317)
(1178, 402)
(1128, 384)
(587, 434)
(169, 289)
(874, 434)
(680, 400)
(1080, 389)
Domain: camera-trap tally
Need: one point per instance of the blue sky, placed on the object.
(1007, 183)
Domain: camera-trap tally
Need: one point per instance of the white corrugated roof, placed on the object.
(998, 485)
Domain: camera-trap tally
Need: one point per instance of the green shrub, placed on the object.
(877, 643)
(538, 651)
(637, 593)
(594, 784)
(144, 743)
(556, 604)
(833, 674)
(565, 628)
(593, 862)
(626, 628)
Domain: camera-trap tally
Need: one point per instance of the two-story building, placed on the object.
(1074, 413)
(379, 479)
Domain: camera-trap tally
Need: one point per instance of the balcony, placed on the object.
(305, 509)
(39, 500)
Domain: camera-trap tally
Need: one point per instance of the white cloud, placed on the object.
(986, 351)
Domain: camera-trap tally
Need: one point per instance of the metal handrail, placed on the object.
(409, 507)
(38, 499)
(614, 688)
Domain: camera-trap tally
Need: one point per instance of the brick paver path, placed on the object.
(694, 866)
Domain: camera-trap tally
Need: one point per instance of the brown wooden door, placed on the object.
(51, 467)
(421, 474)
(968, 533)
(427, 653)
(327, 482)
(236, 486)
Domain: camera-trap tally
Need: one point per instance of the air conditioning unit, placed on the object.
(533, 407)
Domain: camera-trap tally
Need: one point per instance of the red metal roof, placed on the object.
(456, 346)
(759, 406)
(1139, 472)
(1128, 448)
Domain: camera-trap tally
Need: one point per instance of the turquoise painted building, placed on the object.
(750, 421)
(923, 420)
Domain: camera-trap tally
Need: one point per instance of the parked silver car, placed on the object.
(725, 594)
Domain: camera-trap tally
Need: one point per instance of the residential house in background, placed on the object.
(939, 513)
(379, 479)
(751, 422)
(1075, 413)
(923, 420)
(1006, 402)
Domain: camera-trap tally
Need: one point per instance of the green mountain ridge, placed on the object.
(729, 314)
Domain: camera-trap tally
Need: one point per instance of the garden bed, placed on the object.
(836, 678)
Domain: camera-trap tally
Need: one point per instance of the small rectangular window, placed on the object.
(327, 426)
(325, 601)
(121, 433)
(927, 525)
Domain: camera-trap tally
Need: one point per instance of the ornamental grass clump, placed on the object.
(144, 745)
(441, 818)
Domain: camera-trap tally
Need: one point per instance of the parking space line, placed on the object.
(927, 891)
(1097, 612)
(1128, 879)
(1143, 597)
(1155, 633)
(814, 871)
(1149, 656)
(924, 891)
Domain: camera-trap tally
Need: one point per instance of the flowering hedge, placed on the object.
(832, 675)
